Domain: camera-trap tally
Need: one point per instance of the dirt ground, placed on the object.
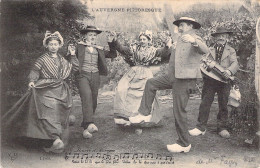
(115, 146)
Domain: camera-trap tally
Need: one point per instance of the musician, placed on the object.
(183, 70)
(224, 55)
(90, 62)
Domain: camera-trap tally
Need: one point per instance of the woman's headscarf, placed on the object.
(48, 35)
(147, 34)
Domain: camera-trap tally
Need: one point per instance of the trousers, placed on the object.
(180, 92)
(210, 87)
(88, 89)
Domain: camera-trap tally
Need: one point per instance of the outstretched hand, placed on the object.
(71, 49)
(111, 36)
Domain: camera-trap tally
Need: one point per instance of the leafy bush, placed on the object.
(23, 25)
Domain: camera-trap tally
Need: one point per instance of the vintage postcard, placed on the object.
(130, 83)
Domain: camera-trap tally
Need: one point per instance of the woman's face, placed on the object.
(53, 46)
(144, 41)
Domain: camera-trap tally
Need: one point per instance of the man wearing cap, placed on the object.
(183, 70)
(224, 55)
(89, 60)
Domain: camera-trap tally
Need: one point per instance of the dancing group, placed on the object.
(43, 112)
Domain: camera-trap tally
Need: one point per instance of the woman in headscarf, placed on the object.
(142, 58)
(42, 113)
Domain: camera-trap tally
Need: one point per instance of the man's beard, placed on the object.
(93, 41)
(221, 41)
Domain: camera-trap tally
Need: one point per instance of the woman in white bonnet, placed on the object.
(141, 57)
(42, 113)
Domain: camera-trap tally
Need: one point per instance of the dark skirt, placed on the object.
(41, 113)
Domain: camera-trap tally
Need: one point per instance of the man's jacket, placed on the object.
(185, 59)
(228, 59)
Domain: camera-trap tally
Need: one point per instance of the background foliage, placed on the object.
(23, 24)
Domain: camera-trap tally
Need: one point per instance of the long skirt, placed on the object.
(41, 113)
(129, 92)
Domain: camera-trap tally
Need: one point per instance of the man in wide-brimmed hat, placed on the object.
(183, 70)
(224, 55)
(90, 63)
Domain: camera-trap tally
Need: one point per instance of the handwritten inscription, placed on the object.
(222, 160)
(249, 159)
(111, 157)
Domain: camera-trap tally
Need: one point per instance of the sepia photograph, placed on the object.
(130, 83)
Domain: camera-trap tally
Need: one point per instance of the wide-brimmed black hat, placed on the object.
(221, 30)
(196, 25)
(90, 28)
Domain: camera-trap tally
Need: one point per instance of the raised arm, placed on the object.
(72, 57)
(112, 53)
(164, 53)
(124, 50)
(201, 46)
(115, 45)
